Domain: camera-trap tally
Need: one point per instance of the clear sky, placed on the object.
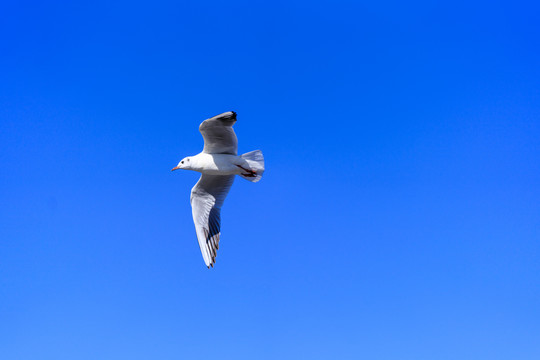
(398, 218)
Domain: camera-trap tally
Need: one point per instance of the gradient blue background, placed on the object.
(398, 218)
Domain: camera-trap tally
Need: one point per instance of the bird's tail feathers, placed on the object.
(255, 160)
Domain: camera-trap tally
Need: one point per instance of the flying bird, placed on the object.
(218, 164)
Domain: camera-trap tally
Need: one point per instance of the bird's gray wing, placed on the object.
(218, 134)
(207, 196)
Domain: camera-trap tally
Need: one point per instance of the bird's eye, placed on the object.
(182, 162)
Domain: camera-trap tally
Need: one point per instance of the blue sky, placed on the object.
(398, 217)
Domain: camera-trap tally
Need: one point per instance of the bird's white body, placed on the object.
(217, 164)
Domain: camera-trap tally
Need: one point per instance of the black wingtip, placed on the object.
(229, 116)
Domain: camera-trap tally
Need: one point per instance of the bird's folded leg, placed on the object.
(250, 173)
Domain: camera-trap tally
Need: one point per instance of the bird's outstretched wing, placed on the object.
(207, 197)
(218, 134)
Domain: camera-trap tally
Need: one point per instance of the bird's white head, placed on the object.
(185, 164)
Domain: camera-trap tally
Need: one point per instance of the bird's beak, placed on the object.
(175, 168)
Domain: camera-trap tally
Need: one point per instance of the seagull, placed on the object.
(218, 164)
